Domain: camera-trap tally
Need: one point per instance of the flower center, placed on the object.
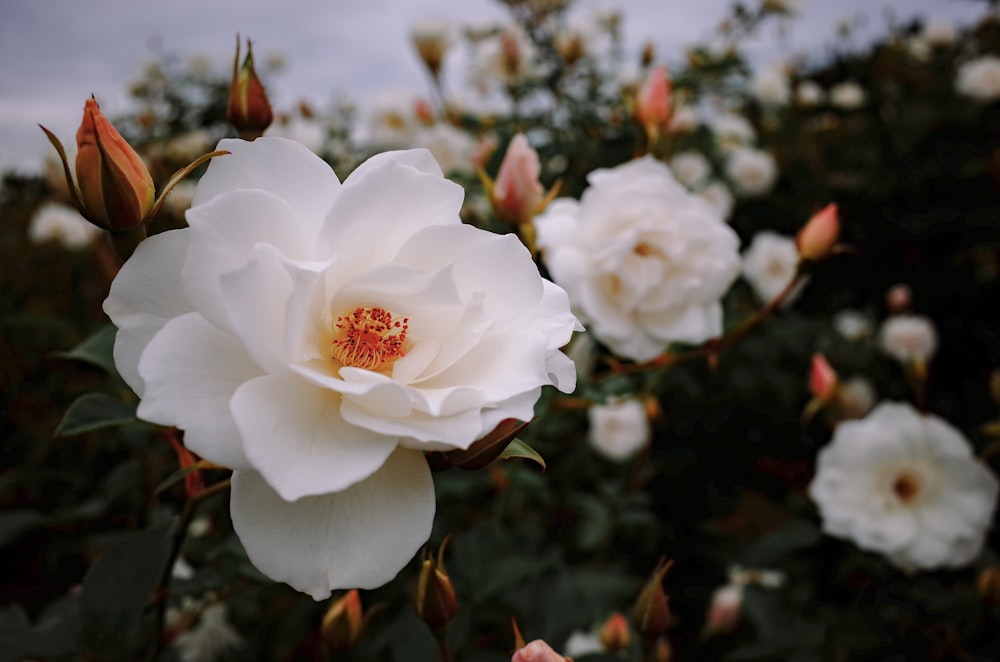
(905, 487)
(369, 338)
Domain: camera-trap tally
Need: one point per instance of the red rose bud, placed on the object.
(343, 622)
(652, 109)
(817, 238)
(822, 379)
(116, 189)
(249, 109)
(615, 634)
(651, 615)
(436, 603)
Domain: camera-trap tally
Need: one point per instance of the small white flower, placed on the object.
(453, 149)
(690, 168)
(771, 86)
(684, 119)
(979, 79)
(769, 264)
(210, 638)
(908, 338)
(643, 259)
(848, 95)
(939, 33)
(189, 146)
(180, 197)
(752, 171)
(855, 397)
(808, 93)
(507, 57)
(732, 130)
(582, 643)
(852, 324)
(619, 430)
(905, 485)
(392, 122)
(56, 222)
(304, 130)
(717, 194)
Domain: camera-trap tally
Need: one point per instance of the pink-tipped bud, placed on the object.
(517, 192)
(436, 603)
(899, 298)
(116, 189)
(343, 622)
(817, 238)
(615, 635)
(822, 379)
(249, 109)
(537, 651)
(651, 615)
(724, 611)
(652, 109)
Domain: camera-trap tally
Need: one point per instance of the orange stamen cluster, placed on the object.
(369, 338)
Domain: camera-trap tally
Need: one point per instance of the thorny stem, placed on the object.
(162, 589)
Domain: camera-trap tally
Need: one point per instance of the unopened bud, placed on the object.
(899, 298)
(517, 193)
(822, 379)
(249, 109)
(116, 189)
(724, 611)
(436, 603)
(817, 238)
(343, 622)
(652, 109)
(510, 53)
(988, 585)
(615, 634)
(648, 53)
(537, 651)
(432, 39)
(651, 615)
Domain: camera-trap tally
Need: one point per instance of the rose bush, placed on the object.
(644, 261)
(317, 337)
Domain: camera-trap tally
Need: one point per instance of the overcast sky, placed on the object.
(55, 53)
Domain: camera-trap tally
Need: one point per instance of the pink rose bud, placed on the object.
(249, 109)
(615, 634)
(899, 298)
(116, 189)
(653, 103)
(343, 622)
(436, 603)
(538, 651)
(724, 611)
(822, 379)
(517, 191)
(817, 238)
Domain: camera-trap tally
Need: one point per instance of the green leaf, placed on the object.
(117, 588)
(15, 521)
(96, 350)
(518, 448)
(93, 411)
(770, 549)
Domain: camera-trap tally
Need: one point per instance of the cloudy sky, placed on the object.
(56, 53)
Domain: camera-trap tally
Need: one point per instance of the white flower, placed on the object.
(684, 119)
(908, 338)
(752, 171)
(690, 168)
(979, 79)
(305, 130)
(847, 95)
(210, 638)
(905, 485)
(180, 197)
(582, 643)
(939, 33)
(809, 93)
(317, 337)
(507, 57)
(732, 131)
(718, 195)
(771, 86)
(56, 222)
(852, 324)
(645, 261)
(769, 264)
(855, 397)
(453, 149)
(392, 122)
(619, 430)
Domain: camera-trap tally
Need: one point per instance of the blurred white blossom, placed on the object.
(690, 168)
(771, 86)
(808, 94)
(454, 149)
(848, 95)
(769, 264)
(619, 429)
(908, 338)
(853, 324)
(979, 79)
(752, 171)
(718, 195)
(59, 223)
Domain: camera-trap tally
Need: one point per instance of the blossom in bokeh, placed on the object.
(718, 195)
(55, 222)
(508, 57)
(454, 150)
(852, 324)
(432, 37)
(848, 95)
(905, 485)
(645, 262)
(684, 119)
(731, 130)
(908, 338)
(979, 79)
(690, 168)
(210, 638)
(854, 398)
(752, 171)
(808, 94)
(317, 337)
(619, 429)
(769, 264)
(392, 122)
(771, 87)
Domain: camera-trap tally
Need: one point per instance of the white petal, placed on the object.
(295, 437)
(421, 159)
(144, 296)
(224, 234)
(359, 538)
(281, 167)
(191, 370)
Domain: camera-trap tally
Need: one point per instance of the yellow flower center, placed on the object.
(369, 338)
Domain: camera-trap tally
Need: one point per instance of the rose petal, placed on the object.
(358, 538)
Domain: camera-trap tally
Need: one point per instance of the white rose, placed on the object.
(318, 337)
(769, 264)
(690, 168)
(979, 79)
(645, 261)
(62, 224)
(847, 95)
(732, 130)
(453, 149)
(905, 485)
(809, 93)
(752, 171)
(771, 86)
(908, 338)
(619, 430)
(852, 324)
